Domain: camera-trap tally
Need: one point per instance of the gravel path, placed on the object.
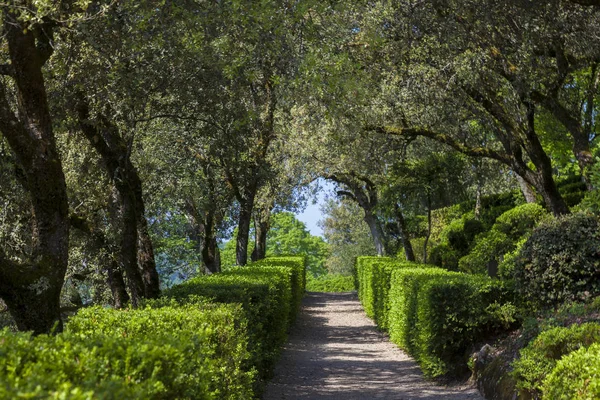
(335, 352)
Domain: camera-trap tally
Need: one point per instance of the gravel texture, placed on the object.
(335, 352)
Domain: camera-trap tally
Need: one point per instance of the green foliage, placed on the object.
(347, 234)
(509, 227)
(288, 236)
(490, 246)
(453, 313)
(191, 351)
(445, 257)
(330, 283)
(404, 287)
(179, 346)
(437, 315)
(560, 261)
(576, 376)
(297, 265)
(364, 280)
(539, 358)
(520, 220)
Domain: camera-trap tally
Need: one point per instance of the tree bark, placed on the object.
(137, 254)
(526, 189)
(262, 224)
(428, 229)
(245, 217)
(376, 232)
(364, 192)
(31, 289)
(404, 236)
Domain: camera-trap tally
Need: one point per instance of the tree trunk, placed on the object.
(146, 260)
(116, 283)
(404, 237)
(262, 224)
(245, 217)
(31, 290)
(376, 232)
(210, 248)
(129, 249)
(428, 229)
(115, 279)
(104, 136)
(526, 189)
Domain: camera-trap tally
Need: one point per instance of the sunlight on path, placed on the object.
(335, 352)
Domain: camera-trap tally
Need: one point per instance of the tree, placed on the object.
(347, 235)
(442, 87)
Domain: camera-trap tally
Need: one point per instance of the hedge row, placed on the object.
(188, 344)
(270, 293)
(331, 283)
(433, 314)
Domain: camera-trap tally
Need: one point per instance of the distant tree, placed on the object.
(347, 235)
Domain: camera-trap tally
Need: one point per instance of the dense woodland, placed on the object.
(145, 143)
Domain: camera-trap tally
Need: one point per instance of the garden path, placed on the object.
(335, 352)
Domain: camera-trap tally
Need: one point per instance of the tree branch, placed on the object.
(445, 139)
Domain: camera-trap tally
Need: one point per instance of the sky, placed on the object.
(312, 214)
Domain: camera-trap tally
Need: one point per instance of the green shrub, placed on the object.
(491, 245)
(437, 315)
(382, 276)
(172, 352)
(453, 313)
(444, 256)
(508, 229)
(460, 233)
(330, 283)
(404, 288)
(539, 358)
(520, 221)
(560, 261)
(576, 376)
(265, 298)
(506, 268)
(364, 281)
(183, 345)
(298, 265)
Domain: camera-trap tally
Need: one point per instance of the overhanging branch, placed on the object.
(444, 139)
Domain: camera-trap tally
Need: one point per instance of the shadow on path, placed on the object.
(335, 352)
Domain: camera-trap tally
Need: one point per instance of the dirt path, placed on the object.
(335, 352)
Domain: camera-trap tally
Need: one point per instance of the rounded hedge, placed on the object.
(576, 376)
(539, 358)
(560, 261)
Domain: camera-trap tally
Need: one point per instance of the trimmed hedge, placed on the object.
(364, 278)
(184, 345)
(434, 314)
(298, 266)
(540, 357)
(508, 229)
(171, 352)
(330, 283)
(373, 283)
(266, 294)
(576, 376)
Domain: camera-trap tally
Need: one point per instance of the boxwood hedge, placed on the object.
(434, 314)
(210, 338)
